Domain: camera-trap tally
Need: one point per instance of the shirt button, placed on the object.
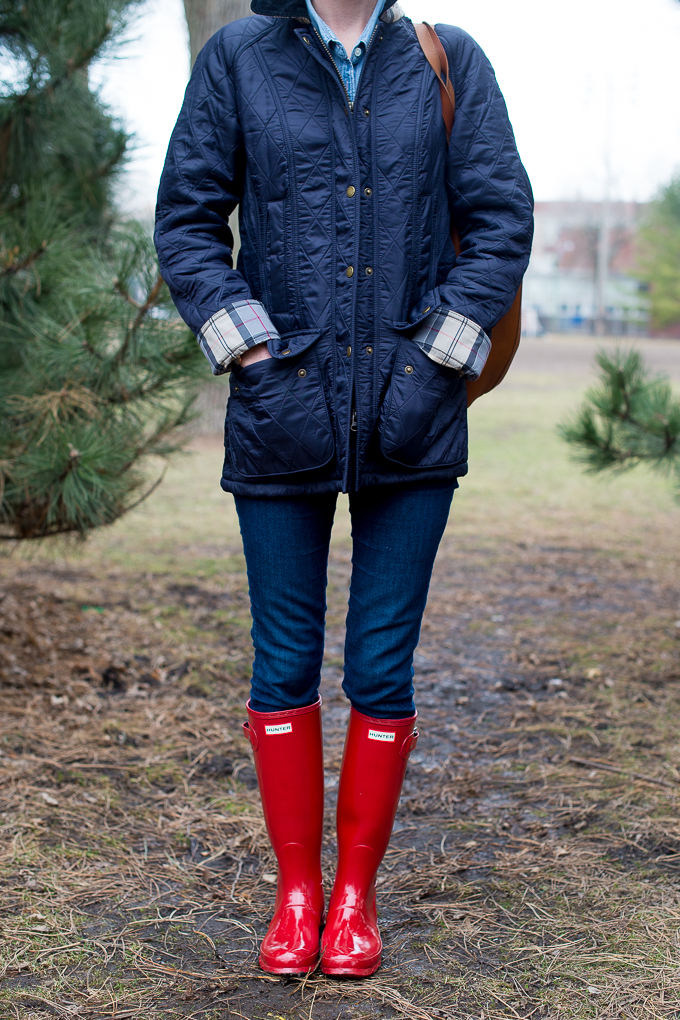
(368, 192)
(350, 270)
(349, 351)
(369, 271)
(351, 191)
(357, 52)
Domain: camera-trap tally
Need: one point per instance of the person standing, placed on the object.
(349, 328)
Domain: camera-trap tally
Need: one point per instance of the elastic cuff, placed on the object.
(452, 340)
(232, 330)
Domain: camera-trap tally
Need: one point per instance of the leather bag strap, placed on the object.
(505, 335)
(435, 54)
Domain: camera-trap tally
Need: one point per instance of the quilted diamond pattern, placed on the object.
(277, 420)
(423, 421)
(344, 223)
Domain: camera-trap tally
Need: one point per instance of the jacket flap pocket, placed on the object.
(430, 302)
(423, 421)
(290, 344)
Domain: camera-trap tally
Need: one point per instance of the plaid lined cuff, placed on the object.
(452, 340)
(231, 331)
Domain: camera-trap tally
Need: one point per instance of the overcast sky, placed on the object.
(588, 83)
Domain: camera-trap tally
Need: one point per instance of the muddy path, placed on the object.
(534, 865)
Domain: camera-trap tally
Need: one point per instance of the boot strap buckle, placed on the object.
(409, 745)
(251, 735)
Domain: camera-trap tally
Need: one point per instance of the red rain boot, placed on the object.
(289, 762)
(373, 768)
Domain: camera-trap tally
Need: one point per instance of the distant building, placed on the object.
(581, 276)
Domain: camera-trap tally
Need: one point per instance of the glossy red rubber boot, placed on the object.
(373, 769)
(289, 762)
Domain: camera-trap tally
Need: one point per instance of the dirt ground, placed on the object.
(534, 868)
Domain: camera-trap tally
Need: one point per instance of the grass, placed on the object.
(533, 872)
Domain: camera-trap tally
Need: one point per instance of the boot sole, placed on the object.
(271, 968)
(352, 971)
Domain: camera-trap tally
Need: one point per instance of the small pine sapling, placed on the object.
(632, 417)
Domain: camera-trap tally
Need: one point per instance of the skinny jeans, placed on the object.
(396, 531)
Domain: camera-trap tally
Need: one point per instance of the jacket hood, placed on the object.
(289, 8)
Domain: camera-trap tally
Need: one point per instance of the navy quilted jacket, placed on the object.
(346, 266)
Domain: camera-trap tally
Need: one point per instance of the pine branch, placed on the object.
(32, 95)
(631, 418)
(12, 267)
(92, 383)
(151, 302)
(142, 312)
(124, 292)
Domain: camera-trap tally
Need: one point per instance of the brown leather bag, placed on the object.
(505, 336)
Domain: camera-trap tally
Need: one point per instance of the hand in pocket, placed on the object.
(277, 417)
(259, 352)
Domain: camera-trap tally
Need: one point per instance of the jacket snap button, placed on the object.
(351, 191)
(369, 350)
(350, 270)
(302, 372)
(285, 352)
(369, 271)
(349, 351)
(367, 112)
(368, 192)
(306, 39)
(408, 369)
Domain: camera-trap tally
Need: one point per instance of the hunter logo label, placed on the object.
(284, 727)
(387, 738)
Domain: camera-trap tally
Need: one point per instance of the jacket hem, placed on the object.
(269, 489)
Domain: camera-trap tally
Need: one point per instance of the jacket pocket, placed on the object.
(423, 419)
(278, 421)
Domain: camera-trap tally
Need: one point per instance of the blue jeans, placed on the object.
(396, 531)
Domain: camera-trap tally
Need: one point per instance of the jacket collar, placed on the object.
(290, 8)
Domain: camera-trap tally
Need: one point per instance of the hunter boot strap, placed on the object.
(288, 752)
(372, 775)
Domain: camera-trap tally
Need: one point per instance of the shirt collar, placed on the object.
(329, 36)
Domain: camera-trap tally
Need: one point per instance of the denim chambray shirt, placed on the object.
(349, 67)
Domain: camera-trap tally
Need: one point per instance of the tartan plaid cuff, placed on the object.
(232, 330)
(452, 340)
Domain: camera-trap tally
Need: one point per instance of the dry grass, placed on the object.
(534, 867)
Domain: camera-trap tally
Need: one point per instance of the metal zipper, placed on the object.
(342, 80)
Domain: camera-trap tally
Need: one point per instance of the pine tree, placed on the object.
(94, 363)
(659, 255)
(631, 418)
